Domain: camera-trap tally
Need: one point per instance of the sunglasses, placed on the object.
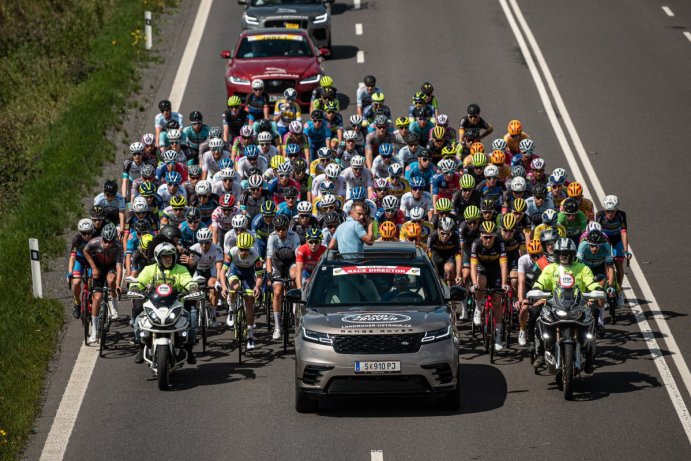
(196, 123)
(255, 189)
(350, 140)
(473, 116)
(417, 189)
(357, 168)
(227, 180)
(174, 143)
(314, 242)
(381, 127)
(264, 143)
(137, 154)
(281, 229)
(329, 208)
(283, 175)
(202, 196)
(474, 222)
(193, 221)
(381, 190)
(423, 159)
(487, 237)
(536, 256)
(86, 234)
(444, 234)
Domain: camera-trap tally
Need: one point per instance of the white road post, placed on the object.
(35, 268)
(147, 29)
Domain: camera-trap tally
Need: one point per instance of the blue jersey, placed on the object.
(189, 237)
(603, 255)
(194, 139)
(316, 136)
(284, 209)
(414, 170)
(261, 228)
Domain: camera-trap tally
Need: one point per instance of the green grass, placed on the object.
(68, 69)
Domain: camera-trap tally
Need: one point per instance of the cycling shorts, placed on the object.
(493, 275)
(281, 270)
(78, 268)
(466, 256)
(618, 250)
(207, 273)
(440, 260)
(103, 272)
(245, 275)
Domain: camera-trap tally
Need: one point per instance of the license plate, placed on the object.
(274, 97)
(389, 366)
(292, 25)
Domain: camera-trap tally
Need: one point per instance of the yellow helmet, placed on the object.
(508, 222)
(234, 101)
(388, 230)
(326, 82)
(178, 201)
(277, 160)
(245, 241)
(145, 241)
(438, 133)
(488, 227)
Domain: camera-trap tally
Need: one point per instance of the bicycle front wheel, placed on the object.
(103, 325)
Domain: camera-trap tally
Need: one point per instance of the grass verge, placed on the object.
(83, 71)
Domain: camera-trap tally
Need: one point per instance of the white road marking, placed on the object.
(356, 4)
(358, 29)
(677, 357)
(68, 409)
(360, 57)
(65, 417)
(377, 455)
(667, 11)
(688, 36)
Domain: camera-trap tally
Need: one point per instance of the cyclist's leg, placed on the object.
(112, 296)
(449, 272)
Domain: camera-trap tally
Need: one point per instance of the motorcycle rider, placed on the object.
(165, 270)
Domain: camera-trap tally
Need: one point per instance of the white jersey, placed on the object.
(247, 262)
(270, 154)
(231, 238)
(380, 169)
(408, 202)
(223, 221)
(218, 189)
(165, 195)
(364, 180)
(243, 165)
(274, 244)
(339, 190)
(207, 261)
(210, 164)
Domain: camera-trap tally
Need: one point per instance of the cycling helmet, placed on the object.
(194, 171)
(276, 160)
(417, 213)
(145, 241)
(304, 207)
(497, 157)
(471, 212)
(265, 125)
(499, 144)
(136, 147)
(139, 205)
(255, 181)
(574, 190)
(172, 125)
(196, 116)
(358, 193)
(387, 229)
(570, 206)
(143, 226)
(215, 132)
(174, 135)
(515, 128)
(508, 222)
(534, 247)
(488, 228)
(193, 213)
(173, 178)
(540, 190)
(350, 135)
(204, 235)
(109, 232)
(549, 217)
(164, 105)
(324, 152)
(264, 137)
(479, 160)
(446, 224)
(178, 201)
(356, 120)
(251, 171)
(378, 97)
(170, 156)
(519, 205)
(381, 184)
(295, 127)
(548, 236)
(110, 187)
(565, 247)
(390, 202)
(491, 171)
(402, 122)
(317, 115)
(420, 113)
(148, 171)
(442, 120)
(257, 84)
(147, 189)
(165, 249)
(203, 188)
(517, 159)
(526, 146)
(610, 203)
(292, 149)
(330, 106)
(438, 133)
(268, 208)
(411, 138)
(386, 150)
(246, 131)
(214, 144)
(593, 225)
(427, 88)
(171, 232)
(281, 221)
(443, 205)
(284, 168)
(518, 171)
(332, 170)
(290, 94)
(299, 165)
(312, 234)
(327, 187)
(488, 204)
(86, 226)
(395, 170)
(234, 101)
(416, 182)
(291, 192)
(380, 120)
(326, 82)
(596, 237)
(148, 139)
(226, 202)
(558, 176)
(357, 161)
(227, 173)
(473, 109)
(537, 164)
(447, 166)
(518, 184)
(369, 80)
(467, 181)
(414, 230)
(251, 151)
(449, 150)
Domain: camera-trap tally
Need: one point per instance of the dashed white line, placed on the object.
(358, 29)
(360, 57)
(356, 4)
(688, 36)
(377, 455)
(668, 11)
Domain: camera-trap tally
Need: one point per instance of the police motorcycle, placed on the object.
(566, 329)
(164, 327)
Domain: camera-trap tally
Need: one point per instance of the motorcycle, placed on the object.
(164, 328)
(566, 329)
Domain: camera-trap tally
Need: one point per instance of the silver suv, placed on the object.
(376, 323)
(311, 15)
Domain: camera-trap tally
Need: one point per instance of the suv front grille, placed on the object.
(302, 23)
(313, 373)
(443, 372)
(278, 86)
(377, 385)
(377, 344)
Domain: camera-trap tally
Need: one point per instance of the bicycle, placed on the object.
(267, 298)
(488, 322)
(240, 325)
(508, 301)
(103, 323)
(286, 310)
(85, 307)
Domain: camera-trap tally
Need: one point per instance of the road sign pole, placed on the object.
(35, 268)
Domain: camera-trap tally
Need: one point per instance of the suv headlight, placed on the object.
(238, 80)
(251, 20)
(321, 18)
(312, 79)
(316, 337)
(436, 335)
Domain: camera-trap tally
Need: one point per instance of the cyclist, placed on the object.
(573, 220)
(175, 213)
(196, 133)
(489, 269)
(470, 128)
(263, 226)
(596, 253)
(251, 159)
(290, 206)
(267, 147)
(381, 190)
(556, 186)
(549, 221)
(430, 98)
(490, 188)
(105, 256)
(211, 159)
(364, 93)
(402, 130)
(77, 262)
(148, 174)
(194, 174)
(334, 122)
(466, 196)
(528, 272)
(359, 194)
(240, 225)
(413, 234)
(132, 169)
(208, 262)
(318, 166)
(113, 204)
(422, 168)
(421, 124)
(474, 165)
(278, 186)
(514, 244)
(234, 118)
(468, 231)
(442, 209)
(171, 189)
(357, 175)
(205, 201)
(307, 256)
(377, 108)
(329, 223)
(418, 196)
(613, 222)
(445, 251)
(408, 153)
(166, 114)
(420, 102)
(447, 182)
(585, 205)
(388, 232)
(390, 211)
(536, 172)
(150, 150)
(417, 216)
(397, 185)
(301, 175)
(380, 165)
(538, 204)
(380, 135)
(514, 136)
(280, 263)
(257, 102)
(318, 134)
(222, 217)
(253, 196)
(303, 221)
(348, 149)
(245, 139)
(188, 229)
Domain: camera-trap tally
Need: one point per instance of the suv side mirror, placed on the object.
(225, 54)
(242, 2)
(324, 52)
(295, 296)
(457, 293)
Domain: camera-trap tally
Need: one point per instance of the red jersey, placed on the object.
(307, 257)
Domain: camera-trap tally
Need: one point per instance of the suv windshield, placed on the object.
(369, 285)
(273, 45)
(284, 2)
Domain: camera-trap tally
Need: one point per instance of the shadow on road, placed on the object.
(601, 385)
(343, 52)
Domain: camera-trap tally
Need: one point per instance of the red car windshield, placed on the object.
(273, 45)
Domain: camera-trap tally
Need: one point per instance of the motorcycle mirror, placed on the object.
(199, 279)
(537, 294)
(595, 295)
(134, 295)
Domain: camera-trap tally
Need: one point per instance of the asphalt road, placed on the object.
(622, 68)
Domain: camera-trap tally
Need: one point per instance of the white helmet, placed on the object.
(139, 205)
(264, 136)
(246, 131)
(86, 225)
(447, 165)
(215, 143)
(328, 200)
(148, 139)
(395, 169)
(304, 207)
(526, 146)
(170, 156)
(499, 144)
(295, 127)
(203, 188)
(390, 202)
(381, 183)
(610, 203)
(163, 249)
(174, 135)
(442, 119)
(357, 161)
(491, 171)
(332, 170)
(204, 235)
(417, 213)
(255, 181)
(355, 119)
(239, 221)
(593, 225)
(136, 147)
(227, 173)
(349, 135)
(518, 184)
(285, 168)
(537, 164)
(446, 224)
(257, 84)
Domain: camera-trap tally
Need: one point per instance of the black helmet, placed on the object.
(473, 109)
(196, 116)
(264, 125)
(97, 212)
(427, 88)
(142, 226)
(110, 187)
(570, 206)
(332, 218)
(328, 92)
(170, 232)
(193, 213)
(299, 165)
(164, 105)
(419, 112)
(411, 137)
(173, 125)
(317, 114)
(596, 237)
(380, 119)
(290, 191)
(280, 220)
(252, 171)
(369, 80)
(540, 190)
(488, 205)
(215, 132)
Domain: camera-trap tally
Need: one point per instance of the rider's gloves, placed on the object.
(611, 291)
(473, 288)
(506, 288)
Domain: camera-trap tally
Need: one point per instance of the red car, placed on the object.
(282, 58)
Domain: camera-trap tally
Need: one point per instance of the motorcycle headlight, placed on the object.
(238, 80)
(316, 336)
(321, 18)
(151, 313)
(561, 313)
(250, 20)
(312, 79)
(436, 335)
